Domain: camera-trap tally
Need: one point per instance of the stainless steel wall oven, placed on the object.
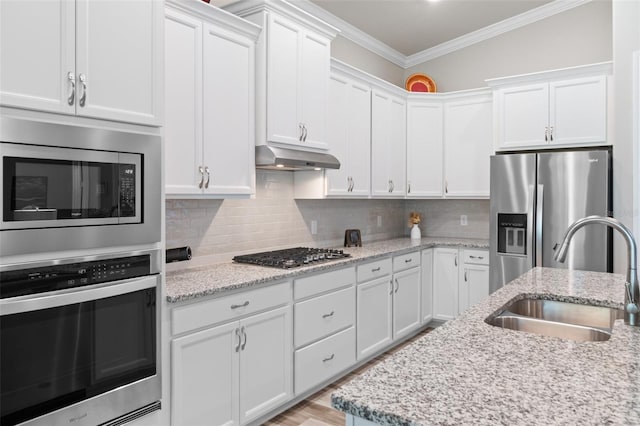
(76, 188)
(79, 339)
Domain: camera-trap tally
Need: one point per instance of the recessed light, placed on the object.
(280, 165)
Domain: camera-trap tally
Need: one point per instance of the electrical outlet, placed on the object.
(379, 221)
(463, 219)
(314, 227)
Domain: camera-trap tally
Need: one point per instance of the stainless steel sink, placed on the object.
(583, 323)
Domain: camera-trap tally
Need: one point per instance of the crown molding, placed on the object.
(365, 40)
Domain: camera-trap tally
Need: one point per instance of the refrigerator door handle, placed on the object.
(539, 213)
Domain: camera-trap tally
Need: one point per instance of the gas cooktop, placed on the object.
(292, 258)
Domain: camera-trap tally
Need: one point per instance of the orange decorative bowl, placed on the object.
(420, 83)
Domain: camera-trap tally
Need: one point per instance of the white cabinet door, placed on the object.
(374, 316)
(468, 130)
(183, 106)
(426, 292)
(388, 145)
(406, 302)
(204, 377)
(424, 148)
(228, 105)
(578, 111)
(119, 60)
(523, 115)
(314, 82)
(473, 285)
(349, 130)
(445, 283)
(283, 58)
(37, 41)
(266, 363)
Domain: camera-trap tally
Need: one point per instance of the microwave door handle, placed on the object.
(539, 214)
(66, 297)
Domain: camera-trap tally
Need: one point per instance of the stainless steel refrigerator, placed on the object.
(535, 196)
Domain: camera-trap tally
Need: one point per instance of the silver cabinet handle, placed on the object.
(408, 187)
(389, 185)
(397, 286)
(465, 275)
(375, 269)
(206, 170)
(551, 133)
(446, 187)
(239, 339)
(83, 98)
(201, 170)
(353, 183)
(455, 260)
(300, 133)
(392, 186)
(328, 315)
(408, 260)
(546, 134)
(245, 304)
(72, 96)
(329, 358)
(391, 282)
(304, 128)
(244, 342)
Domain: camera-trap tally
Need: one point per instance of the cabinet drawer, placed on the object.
(324, 359)
(372, 270)
(321, 283)
(324, 315)
(202, 314)
(406, 261)
(479, 257)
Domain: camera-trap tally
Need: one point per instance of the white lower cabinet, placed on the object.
(324, 329)
(388, 307)
(426, 291)
(473, 282)
(233, 373)
(460, 280)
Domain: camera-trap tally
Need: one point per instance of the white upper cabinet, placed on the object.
(209, 88)
(293, 73)
(88, 58)
(388, 144)
(552, 109)
(349, 130)
(424, 147)
(468, 135)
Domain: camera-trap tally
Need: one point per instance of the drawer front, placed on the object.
(322, 283)
(324, 359)
(479, 257)
(213, 311)
(372, 270)
(324, 315)
(406, 261)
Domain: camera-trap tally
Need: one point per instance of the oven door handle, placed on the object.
(71, 296)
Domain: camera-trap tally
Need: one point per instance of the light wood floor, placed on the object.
(316, 410)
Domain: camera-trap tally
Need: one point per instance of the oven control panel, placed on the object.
(58, 277)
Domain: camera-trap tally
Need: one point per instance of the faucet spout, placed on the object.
(632, 288)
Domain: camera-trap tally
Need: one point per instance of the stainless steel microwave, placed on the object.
(75, 188)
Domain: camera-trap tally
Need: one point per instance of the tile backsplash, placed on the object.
(217, 230)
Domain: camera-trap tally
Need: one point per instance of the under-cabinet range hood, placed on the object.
(275, 158)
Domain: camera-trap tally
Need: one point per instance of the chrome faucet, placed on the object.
(632, 291)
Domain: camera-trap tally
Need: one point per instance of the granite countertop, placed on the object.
(469, 372)
(224, 277)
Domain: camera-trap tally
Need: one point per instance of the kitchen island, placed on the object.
(470, 372)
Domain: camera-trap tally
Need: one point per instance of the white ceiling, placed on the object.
(408, 32)
(411, 26)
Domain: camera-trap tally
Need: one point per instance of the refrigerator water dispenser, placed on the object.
(512, 234)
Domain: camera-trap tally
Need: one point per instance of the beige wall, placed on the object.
(626, 176)
(576, 37)
(353, 54)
